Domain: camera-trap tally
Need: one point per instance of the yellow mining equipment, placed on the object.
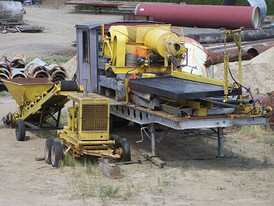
(136, 48)
(87, 132)
(38, 100)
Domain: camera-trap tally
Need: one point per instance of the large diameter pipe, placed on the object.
(11, 11)
(218, 37)
(261, 4)
(248, 52)
(201, 15)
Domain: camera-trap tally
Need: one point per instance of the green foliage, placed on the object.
(2, 94)
(68, 160)
(107, 191)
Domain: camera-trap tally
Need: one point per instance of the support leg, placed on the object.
(41, 118)
(152, 135)
(220, 142)
(152, 157)
(58, 118)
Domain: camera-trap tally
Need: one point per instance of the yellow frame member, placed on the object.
(87, 131)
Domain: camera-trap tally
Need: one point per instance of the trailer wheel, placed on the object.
(20, 130)
(47, 150)
(117, 144)
(126, 156)
(56, 154)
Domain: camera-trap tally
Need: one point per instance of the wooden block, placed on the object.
(154, 159)
(111, 170)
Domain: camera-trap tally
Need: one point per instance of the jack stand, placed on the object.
(152, 135)
(220, 142)
(152, 156)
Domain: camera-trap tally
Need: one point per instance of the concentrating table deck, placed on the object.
(178, 89)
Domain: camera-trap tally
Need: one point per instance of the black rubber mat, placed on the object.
(178, 89)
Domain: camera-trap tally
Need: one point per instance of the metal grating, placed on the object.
(95, 117)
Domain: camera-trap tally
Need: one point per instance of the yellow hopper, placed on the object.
(25, 89)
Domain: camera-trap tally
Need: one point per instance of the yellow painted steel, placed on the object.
(28, 91)
(87, 132)
(157, 39)
(197, 78)
(123, 40)
(129, 70)
(32, 94)
(200, 106)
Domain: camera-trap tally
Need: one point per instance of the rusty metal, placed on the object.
(197, 55)
(266, 100)
(58, 73)
(218, 37)
(249, 51)
(201, 15)
(36, 71)
(18, 61)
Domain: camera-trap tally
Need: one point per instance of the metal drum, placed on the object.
(11, 11)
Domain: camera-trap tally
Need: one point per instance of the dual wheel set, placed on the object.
(53, 150)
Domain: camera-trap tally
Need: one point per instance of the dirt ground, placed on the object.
(193, 175)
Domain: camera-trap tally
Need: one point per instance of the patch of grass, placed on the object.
(128, 193)
(2, 94)
(260, 133)
(107, 191)
(183, 167)
(81, 186)
(68, 160)
(57, 59)
(89, 164)
(267, 161)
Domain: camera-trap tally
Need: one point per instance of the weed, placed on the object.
(252, 175)
(220, 188)
(81, 186)
(107, 191)
(269, 139)
(68, 160)
(164, 182)
(57, 59)
(183, 167)
(128, 192)
(267, 161)
(2, 94)
(90, 166)
(259, 133)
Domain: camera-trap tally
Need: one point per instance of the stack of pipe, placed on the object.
(5, 72)
(40, 69)
(18, 61)
(58, 73)
(36, 71)
(16, 66)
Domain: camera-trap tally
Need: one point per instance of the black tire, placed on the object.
(117, 144)
(20, 130)
(56, 154)
(47, 150)
(126, 156)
